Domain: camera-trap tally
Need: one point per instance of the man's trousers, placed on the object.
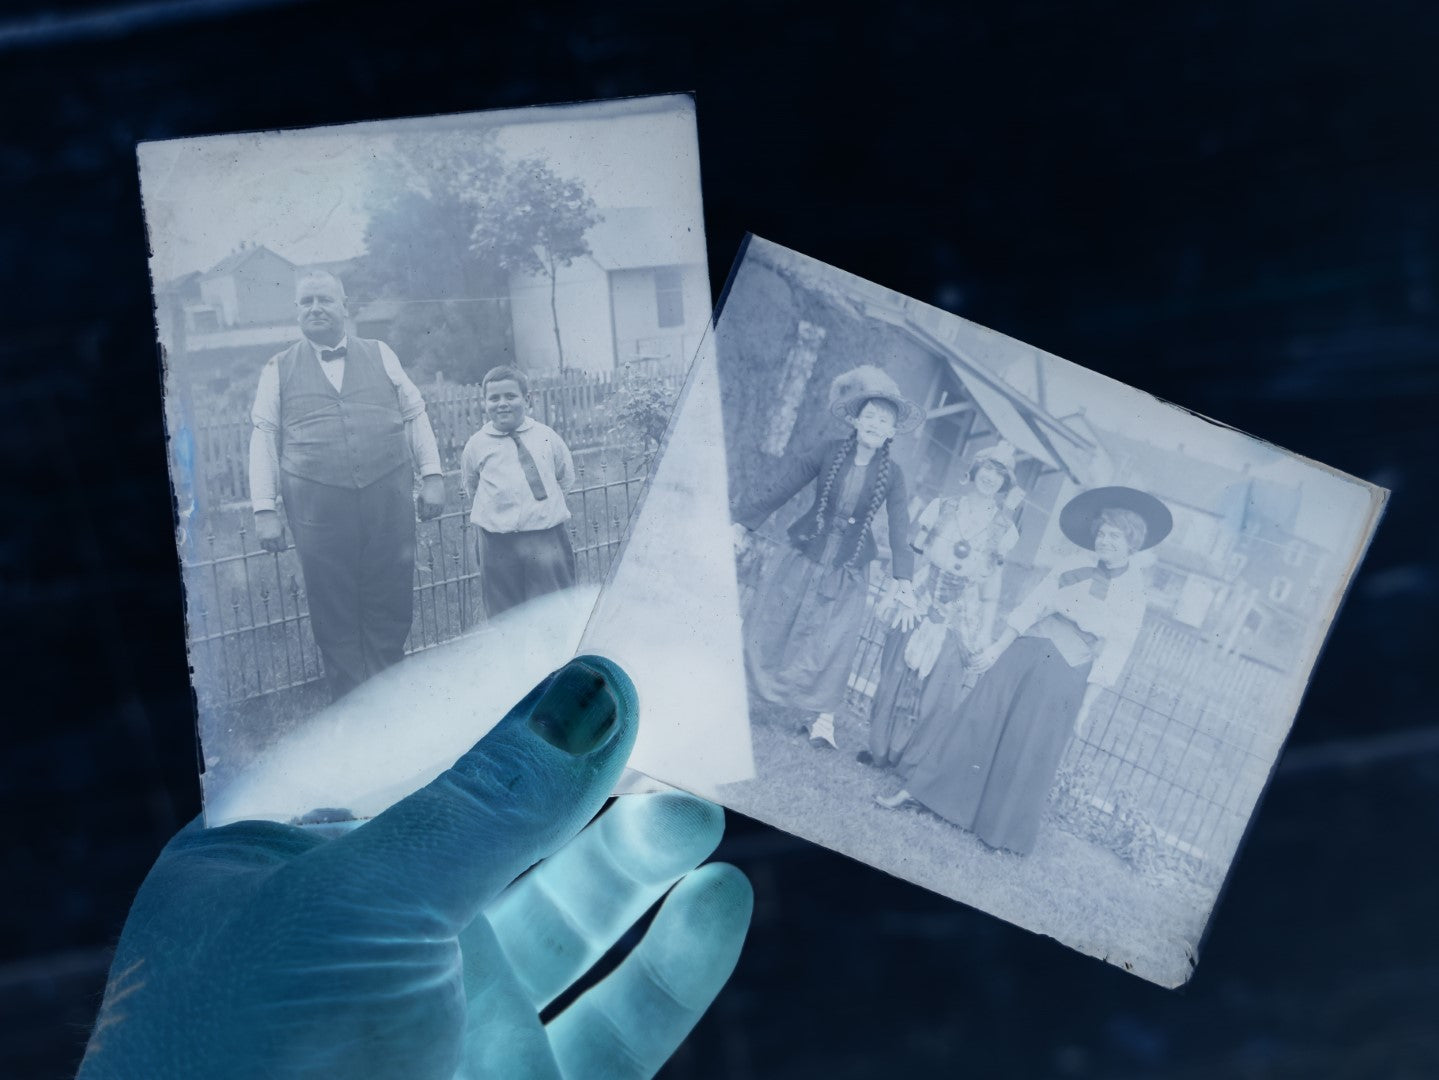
(519, 566)
(357, 553)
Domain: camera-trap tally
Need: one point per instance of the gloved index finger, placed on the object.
(517, 795)
(557, 920)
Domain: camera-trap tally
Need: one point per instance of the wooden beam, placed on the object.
(950, 410)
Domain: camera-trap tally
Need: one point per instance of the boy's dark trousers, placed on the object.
(519, 566)
(357, 553)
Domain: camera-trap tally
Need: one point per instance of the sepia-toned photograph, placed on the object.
(415, 376)
(1010, 630)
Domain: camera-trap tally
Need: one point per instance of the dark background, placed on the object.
(1234, 206)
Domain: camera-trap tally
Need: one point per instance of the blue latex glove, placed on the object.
(406, 948)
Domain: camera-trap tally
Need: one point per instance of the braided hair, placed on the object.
(881, 489)
(826, 487)
(823, 511)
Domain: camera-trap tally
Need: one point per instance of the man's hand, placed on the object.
(269, 531)
(405, 948)
(432, 497)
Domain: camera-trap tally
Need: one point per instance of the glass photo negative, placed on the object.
(1009, 629)
(415, 373)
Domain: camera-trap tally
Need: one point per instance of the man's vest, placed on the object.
(349, 437)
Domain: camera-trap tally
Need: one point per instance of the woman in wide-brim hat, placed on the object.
(961, 541)
(803, 626)
(991, 769)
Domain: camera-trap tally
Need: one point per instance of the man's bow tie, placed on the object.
(333, 354)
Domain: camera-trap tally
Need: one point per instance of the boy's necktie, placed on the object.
(532, 471)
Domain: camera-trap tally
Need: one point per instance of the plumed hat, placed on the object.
(849, 392)
(1078, 518)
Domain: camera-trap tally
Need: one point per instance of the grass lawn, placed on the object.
(233, 735)
(1067, 888)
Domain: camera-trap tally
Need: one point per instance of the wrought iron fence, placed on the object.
(1175, 755)
(249, 621)
(1172, 759)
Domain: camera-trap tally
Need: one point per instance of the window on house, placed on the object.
(1279, 589)
(204, 320)
(1294, 552)
(1237, 562)
(1196, 599)
(669, 298)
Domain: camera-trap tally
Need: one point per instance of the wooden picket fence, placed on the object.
(574, 404)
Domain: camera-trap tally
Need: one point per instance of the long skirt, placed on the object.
(910, 711)
(801, 631)
(991, 771)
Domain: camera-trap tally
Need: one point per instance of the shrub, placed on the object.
(638, 413)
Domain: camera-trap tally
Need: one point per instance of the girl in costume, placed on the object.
(961, 542)
(990, 772)
(803, 626)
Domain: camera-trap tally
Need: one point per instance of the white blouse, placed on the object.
(1110, 608)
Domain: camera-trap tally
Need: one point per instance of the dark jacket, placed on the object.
(809, 467)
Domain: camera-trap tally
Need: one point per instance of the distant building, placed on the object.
(1276, 575)
(242, 310)
(374, 319)
(185, 290)
(249, 287)
(641, 297)
(1233, 568)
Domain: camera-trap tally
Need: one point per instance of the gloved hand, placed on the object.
(406, 949)
(921, 651)
(906, 612)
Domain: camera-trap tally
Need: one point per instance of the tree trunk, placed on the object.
(558, 421)
(555, 316)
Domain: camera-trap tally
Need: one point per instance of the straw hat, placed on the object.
(849, 392)
(1079, 515)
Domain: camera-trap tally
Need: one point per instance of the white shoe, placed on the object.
(821, 732)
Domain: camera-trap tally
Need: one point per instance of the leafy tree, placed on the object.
(528, 219)
(455, 317)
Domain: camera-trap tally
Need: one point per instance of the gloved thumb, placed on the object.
(517, 795)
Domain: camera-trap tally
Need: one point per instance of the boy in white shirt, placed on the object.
(516, 470)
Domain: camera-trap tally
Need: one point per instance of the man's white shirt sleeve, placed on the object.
(424, 450)
(265, 440)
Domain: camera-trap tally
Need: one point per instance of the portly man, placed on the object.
(339, 433)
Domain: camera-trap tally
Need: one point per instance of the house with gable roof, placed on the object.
(252, 286)
(639, 298)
